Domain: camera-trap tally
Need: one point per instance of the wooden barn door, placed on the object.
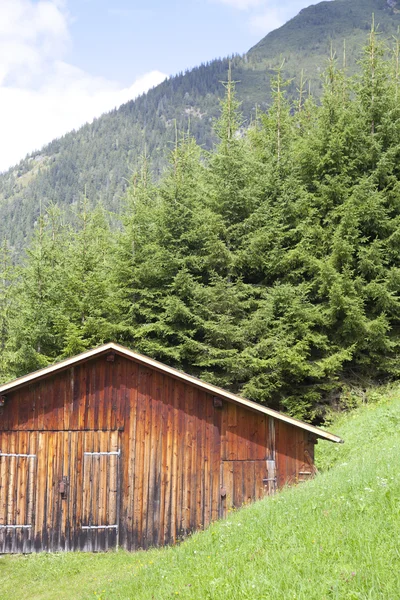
(18, 464)
(248, 470)
(244, 481)
(100, 490)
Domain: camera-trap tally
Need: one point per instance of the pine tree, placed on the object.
(87, 305)
(34, 340)
(7, 297)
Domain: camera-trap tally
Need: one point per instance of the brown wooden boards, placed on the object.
(115, 452)
(18, 474)
(101, 488)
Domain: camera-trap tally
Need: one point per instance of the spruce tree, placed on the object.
(87, 305)
(7, 299)
(34, 339)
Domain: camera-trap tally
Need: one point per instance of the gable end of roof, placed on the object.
(146, 361)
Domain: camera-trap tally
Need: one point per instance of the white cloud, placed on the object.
(30, 35)
(264, 22)
(41, 96)
(31, 118)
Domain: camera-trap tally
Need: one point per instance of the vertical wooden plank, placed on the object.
(208, 418)
(106, 464)
(121, 395)
(146, 383)
(100, 414)
(153, 532)
(248, 481)
(279, 441)
(228, 484)
(291, 455)
(115, 391)
(68, 458)
(113, 493)
(54, 495)
(201, 413)
(41, 490)
(129, 448)
(31, 487)
(164, 459)
(271, 476)
(90, 401)
(108, 366)
(237, 484)
(21, 516)
(174, 463)
(260, 473)
(261, 438)
(39, 406)
(87, 466)
(179, 474)
(169, 461)
(56, 391)
(140, 453)
(12, 489)
(151, 441)
(69, 397)
(49, 440)
(76, 378)
(63, 412)
(216, 464)
(187, 452)
(48, 403)
(95, 489)
(3, 481)
(5, 414)
(271, 439)
(84, 377)
(49, 468)
(5, 470)
(193, 468)
(24, 410)
(77, 497)
(242, 432)
(231, 432)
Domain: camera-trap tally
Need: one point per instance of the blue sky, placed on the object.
(125, 38)
(64, 62)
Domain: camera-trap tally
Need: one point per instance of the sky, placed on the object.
(65, 62)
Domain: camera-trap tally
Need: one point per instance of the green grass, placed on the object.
(336, 537)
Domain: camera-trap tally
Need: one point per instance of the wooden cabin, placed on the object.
(111, 448)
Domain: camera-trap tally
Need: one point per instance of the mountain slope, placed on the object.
(332, 538)
(100, 156)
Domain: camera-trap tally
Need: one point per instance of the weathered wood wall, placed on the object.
(112, 452)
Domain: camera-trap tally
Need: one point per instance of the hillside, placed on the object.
(332, 538)
(100, 157)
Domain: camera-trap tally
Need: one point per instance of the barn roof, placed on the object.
(145, 360)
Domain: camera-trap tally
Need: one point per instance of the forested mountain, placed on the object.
(269, 266)
(100, 157)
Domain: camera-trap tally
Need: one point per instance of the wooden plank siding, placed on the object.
(116, 453)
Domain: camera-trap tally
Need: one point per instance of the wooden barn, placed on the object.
(111, 448)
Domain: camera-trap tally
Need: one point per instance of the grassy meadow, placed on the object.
(336, 537)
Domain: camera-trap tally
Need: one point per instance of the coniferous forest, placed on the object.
(269, 265)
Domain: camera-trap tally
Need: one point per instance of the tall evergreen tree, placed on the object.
(87, 304)
(34, 339)
(7, 297)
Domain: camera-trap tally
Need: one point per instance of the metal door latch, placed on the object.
(63, 488)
